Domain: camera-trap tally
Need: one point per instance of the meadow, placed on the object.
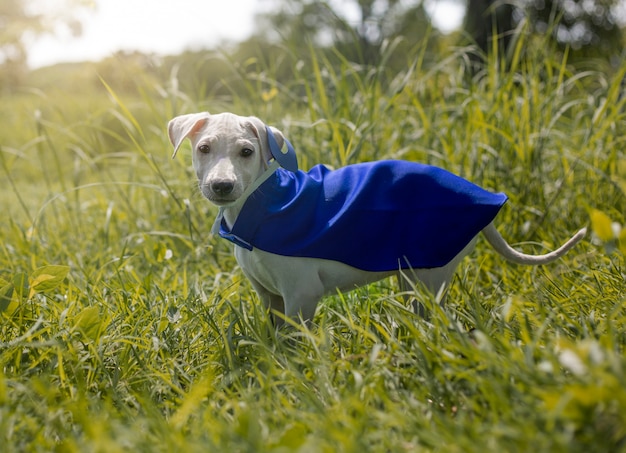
(125, 327)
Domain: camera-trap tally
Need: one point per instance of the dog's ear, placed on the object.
(278, 135)
(274, 145)
(184, 126)
(258, 128)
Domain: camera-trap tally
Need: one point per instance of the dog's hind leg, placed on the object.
(436, 280)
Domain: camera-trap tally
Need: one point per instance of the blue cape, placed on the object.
(378, 216)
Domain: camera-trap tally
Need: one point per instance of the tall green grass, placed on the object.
(125, 327)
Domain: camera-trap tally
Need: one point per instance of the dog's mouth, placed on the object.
(217, 199)
(221, 201)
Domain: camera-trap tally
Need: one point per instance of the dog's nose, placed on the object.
(222, 187)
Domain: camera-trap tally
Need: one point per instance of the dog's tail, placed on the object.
(503, 248)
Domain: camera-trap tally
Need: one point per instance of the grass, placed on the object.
(124, 327)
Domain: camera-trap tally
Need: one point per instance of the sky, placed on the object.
(163, 27)
(168, 27)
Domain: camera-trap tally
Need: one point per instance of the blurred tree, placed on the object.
(486, 19)
(590, 28)
(21, 21)
(357, 28)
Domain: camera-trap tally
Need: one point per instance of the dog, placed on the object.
(296, 235)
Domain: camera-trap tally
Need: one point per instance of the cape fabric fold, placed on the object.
(377, 216)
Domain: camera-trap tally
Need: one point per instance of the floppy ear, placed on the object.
(184, 126)
(258, 128)
(278, 135)
(274, 145)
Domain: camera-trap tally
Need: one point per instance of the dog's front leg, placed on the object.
(298, 300)
(290, 287)
(271, 301)
(301, 288)
(301, 306)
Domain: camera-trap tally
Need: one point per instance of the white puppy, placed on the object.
(233, 158)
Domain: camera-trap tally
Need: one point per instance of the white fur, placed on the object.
(237, 154)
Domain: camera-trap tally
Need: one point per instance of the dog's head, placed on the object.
(229, 151)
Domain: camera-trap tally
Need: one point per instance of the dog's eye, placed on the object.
(204, 148)
(246, 152)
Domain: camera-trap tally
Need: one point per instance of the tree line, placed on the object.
(584, 28)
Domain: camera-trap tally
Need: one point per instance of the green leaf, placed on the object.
(163, 323)
(601, 225)
(89, 322)
(47, 278)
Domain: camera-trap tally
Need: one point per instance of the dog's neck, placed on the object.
(230, 212)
